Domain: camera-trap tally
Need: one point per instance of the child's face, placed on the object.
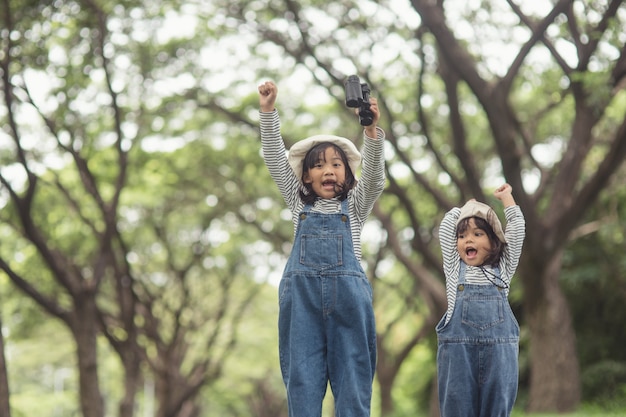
(473, 245)
(328, 175)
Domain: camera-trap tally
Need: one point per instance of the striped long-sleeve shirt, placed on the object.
(514, 235)
(360, 199)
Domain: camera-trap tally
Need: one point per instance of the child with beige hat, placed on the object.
(326, 319)
(478, 336)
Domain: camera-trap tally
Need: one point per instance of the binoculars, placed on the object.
(358, 96)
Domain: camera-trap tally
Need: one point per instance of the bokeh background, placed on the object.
(142, 239)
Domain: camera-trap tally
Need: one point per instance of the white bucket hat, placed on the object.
(298, 151)
(475, 208)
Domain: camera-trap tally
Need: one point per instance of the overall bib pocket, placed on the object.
(482, 311)
(321, 251)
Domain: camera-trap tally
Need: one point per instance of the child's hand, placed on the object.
(504, 193)
(370, 130)
(267, 96)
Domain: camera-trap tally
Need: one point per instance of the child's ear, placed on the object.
(306, 178)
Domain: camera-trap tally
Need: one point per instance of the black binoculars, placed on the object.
(358, 96)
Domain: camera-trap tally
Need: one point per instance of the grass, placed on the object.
(584, 411)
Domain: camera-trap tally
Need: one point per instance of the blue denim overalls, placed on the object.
(326, 320)
(477, 355)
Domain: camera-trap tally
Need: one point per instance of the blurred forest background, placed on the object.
(142, 239)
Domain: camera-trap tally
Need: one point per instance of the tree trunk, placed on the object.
(385, 376)
(85, 329)
(554, 368)
(132, 377)
(5, 409)
(433, 405)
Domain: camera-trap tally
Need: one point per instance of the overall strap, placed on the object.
(345, 216)
(462, 272)
(344, 207)
(304, 211)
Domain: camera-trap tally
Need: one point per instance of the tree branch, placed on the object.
(46, 303)
(538, 33)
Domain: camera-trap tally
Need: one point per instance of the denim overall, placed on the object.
(477, 355)
(326, 320)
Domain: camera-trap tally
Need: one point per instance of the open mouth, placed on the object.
(471, 253)
(329, 184)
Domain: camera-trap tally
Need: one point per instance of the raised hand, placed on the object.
(267, 96)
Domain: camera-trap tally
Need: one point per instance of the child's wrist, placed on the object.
(372, 131)
(508, 201)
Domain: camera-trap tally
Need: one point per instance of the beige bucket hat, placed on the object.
(298, 151)
(475, 208)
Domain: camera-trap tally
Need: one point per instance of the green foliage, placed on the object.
(203, 230)
(595, 279)
(253, 383)
(415, 382)
(41, 365)
(605, 383)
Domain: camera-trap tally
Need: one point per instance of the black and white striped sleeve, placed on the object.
(275, 156)
(450, 255)
(372, 182)
(515, 232)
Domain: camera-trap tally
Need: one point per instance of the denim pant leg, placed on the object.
(500, 376)
(488, 388)
(351, 343)
(458, 391)
(301, 343)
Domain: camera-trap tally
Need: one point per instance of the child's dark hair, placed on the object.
(497, 246)
(312, 157)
